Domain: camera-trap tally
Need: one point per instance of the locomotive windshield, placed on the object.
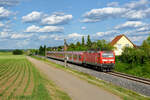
(107, 55)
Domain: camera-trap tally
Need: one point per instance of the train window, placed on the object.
(108, 55)
(98, 54)
(75, 56)
(79, 56)
(70, 56)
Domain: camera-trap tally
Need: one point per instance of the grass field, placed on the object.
(20, 80)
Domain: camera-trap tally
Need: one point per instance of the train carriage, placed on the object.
(75, 57)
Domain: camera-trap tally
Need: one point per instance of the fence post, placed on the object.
(65, 49)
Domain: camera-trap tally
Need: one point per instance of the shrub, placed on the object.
(134, 55)
(17, 52)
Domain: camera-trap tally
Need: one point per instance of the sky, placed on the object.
(28, 24)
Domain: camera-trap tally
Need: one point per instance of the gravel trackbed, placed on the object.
(76, 88)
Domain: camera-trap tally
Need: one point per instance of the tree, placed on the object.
(146, 47)
(83, 41)
(148, 40)
(103, 45)
(89, 43)
(60, 48)
(71, 47)
(44, 50)
(94, 46)
(17, 52)
(40, 50)
(78, 46)
(33, 52)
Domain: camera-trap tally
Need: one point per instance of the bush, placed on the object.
(121, 67)
(134, 56)
(17, 52)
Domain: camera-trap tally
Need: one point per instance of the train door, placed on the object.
(98, 57)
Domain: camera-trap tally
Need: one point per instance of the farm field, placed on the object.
(20, 80)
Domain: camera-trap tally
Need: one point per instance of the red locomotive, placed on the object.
(102, 60)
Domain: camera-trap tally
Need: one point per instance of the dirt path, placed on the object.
(76, 88)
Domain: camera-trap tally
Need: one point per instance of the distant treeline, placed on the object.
(40, 51)
(84, 46)
(6, 50)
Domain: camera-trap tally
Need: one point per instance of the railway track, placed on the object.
(130, 77)
(139, 85)
(126, 76)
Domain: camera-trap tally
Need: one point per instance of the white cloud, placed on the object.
(20, 36)
(137, 9)
(1, 24)
(96, 15)
(33, 28)
(74, 35)
(8, 2)
(137, 38)
(88, 20)
(32, 17)
(134, 14)
(130, 24)
(144, 29)
(4, 34)
(106, 33)
(57, 37)
(83, 28)
(42, 37)
(51, 29)
(4, 13)
(137, 4)
(113, 4)
(22, 43)
(56, 19)
(45, 19)
(134, 10)
(45, 29)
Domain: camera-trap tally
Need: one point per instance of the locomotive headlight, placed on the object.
(111, 59)
(104, 60)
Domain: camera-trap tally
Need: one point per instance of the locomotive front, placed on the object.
(107, 60)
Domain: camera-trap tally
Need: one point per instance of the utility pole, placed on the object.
(65, 49)
(45, 51)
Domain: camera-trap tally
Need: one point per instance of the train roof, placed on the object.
(77, 52)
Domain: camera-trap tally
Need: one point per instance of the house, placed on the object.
(119, 42)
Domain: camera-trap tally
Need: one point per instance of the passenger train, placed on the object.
(101, 60)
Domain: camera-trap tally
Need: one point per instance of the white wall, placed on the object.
(123, 42)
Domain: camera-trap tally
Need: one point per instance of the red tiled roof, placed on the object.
(114, 41)
(117, 38)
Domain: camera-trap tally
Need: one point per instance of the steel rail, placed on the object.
(130, 77)
(126, 76)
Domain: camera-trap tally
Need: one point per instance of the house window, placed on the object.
(119, 46)
(127, 45)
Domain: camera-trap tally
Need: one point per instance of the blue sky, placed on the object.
(31, 23)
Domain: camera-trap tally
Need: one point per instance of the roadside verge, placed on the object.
(121, 92)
